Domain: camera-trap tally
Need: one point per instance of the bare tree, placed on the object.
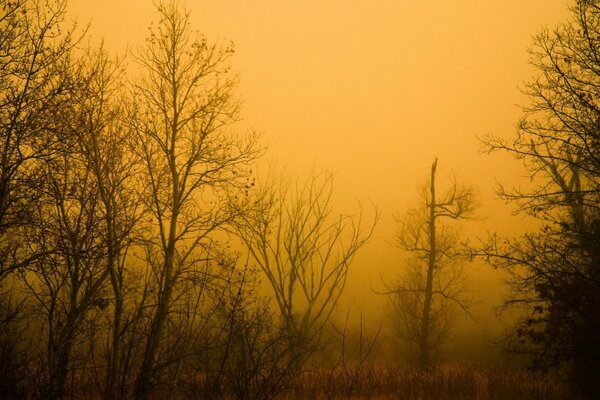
(36, 93)
(554, 272)
(101, 139)
(255, 359)
(304, 250)
(433, 284)
(68, 280)
(32, 92)
(192, 164)
(32, 51)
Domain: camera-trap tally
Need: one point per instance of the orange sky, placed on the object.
(372, 90)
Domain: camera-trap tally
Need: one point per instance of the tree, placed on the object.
(255, 359)
(67, 280)
(34, 92)
(192, 164)
(32, 89)
(83, 220)
(305, 252)
(432, 285)
(555, 272)
(100, 141)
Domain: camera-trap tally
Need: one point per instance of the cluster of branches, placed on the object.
(304, 251)
(555, 271)
(118, 201)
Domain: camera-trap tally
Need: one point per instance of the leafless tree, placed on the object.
(68, 280)
(35, 92)
(32, 91)
(101, 139)
(432, 283)
(255, 359)
(304, 250)
(555, 271)
(192, 164)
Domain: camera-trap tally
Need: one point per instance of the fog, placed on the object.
(373, 92)
(180, 187)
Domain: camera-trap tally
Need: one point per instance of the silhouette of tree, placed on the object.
(67, 280)
(100, 139)
(555, 272)
(33, 50)
(433, 284)
(192, 165)
(34, 91)
(304, 250)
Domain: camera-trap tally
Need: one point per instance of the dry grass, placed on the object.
(448, 382)
(383, 383)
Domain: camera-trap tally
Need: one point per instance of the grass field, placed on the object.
(447, 382)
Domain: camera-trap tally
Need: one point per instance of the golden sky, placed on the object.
(372, 90)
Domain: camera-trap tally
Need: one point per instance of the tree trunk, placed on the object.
(158, 325)
(114, 364)
(424, 334)
(59, 363)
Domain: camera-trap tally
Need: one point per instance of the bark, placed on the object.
(424, 335)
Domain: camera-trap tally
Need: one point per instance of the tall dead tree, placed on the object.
(431, 282)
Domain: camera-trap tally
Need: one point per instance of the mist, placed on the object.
(291, 249)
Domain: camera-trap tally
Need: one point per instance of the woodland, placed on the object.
(143, 257)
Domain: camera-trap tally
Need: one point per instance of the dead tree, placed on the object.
(431, 283)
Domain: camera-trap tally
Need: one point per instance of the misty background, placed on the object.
(214, 199)
(373, 92)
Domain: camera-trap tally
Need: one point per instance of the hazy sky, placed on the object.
(372, 90)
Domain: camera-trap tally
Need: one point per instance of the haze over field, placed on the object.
(372, 91)
(299, 199)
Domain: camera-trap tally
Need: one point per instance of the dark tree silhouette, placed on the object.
(192, 164)
(34, 91)
(304, 250)
(433, 285)
(100, 139)
(556, 271)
